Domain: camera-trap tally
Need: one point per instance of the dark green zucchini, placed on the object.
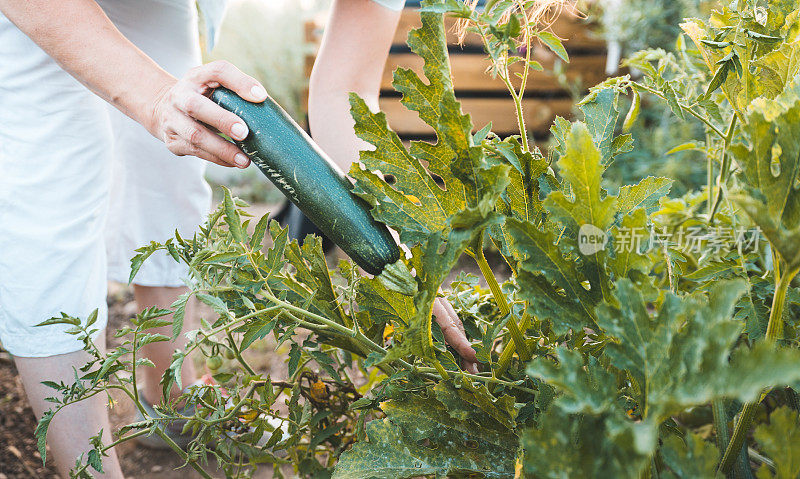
(309, 179)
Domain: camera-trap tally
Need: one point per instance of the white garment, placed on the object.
(65, 156)
(395, 5)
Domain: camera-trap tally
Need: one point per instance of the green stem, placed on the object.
(523, 133)
(723, 170)
(685, 108)
(238, 354)
(184, 455)
(485, 379)
(508, 353)
(133, 366)
(709, 177)
(720, 423)
(774, 326)
(502, 303)
(514, 96)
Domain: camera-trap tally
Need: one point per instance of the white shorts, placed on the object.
(82, 186)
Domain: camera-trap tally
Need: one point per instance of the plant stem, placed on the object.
(133, 366)
(518, 107)
(485, 379)
(720, 423)
(238, 354)
(508, 352)
(165, 437)
(502, 303)
(774, 326)
(504, 77)
(685, 108)
(723, 170)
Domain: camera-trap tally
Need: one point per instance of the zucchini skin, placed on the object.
(308, 178)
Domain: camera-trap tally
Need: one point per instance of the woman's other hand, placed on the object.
(454, 335)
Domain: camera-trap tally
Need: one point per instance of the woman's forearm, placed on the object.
(351, 58)
(79, 36)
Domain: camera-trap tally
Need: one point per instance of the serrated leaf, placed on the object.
(94, 460)
(543, 258)
(719, 78)
(591, 393)
(628, 244)
(569, 445)
(581, 167)
(690, 457)
(547, 303)
(179, 313)
(259, 231)
(417, 438)
(232, 217)
(771, 166)
(259, 329)
(141, 255)
(280, 237)
(383, 305)
(391, 157)
(521, 199)
(554, 44)
(224, 257)
(681, 356)
(601, 112)
(454, 158)
(709, 271)
(294, 359)
(644, 194)
(311, 270)
(672, 100)
(780, 440)
(464, 400)
(779, 67)
(215, 303)
(41, 433)
(439, 255)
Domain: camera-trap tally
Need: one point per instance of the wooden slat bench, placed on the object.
(484, 97)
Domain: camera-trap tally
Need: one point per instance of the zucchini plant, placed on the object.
(637, 335)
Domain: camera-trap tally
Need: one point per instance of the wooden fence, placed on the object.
(485, 98)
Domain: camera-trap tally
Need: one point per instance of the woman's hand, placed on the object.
(182, 114)
(454, 334)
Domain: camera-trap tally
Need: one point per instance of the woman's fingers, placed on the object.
(188, 137)
(201, 108)
(225, 74)
(453, 330)
(452, 312)
(469, 366)
(181, 111)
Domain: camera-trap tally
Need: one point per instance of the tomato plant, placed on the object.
(638, 335)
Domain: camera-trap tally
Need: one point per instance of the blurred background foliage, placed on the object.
(265, 38)
(653, 24)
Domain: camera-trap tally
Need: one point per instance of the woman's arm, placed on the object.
(357, 39)
(79, 36)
